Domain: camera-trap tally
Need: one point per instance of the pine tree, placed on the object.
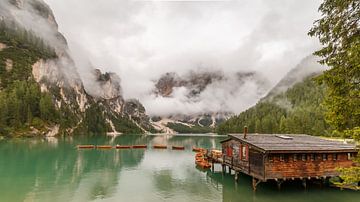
(339, 32)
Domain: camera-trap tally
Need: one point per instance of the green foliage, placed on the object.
(350, 177)
(296, 111)
(22, 105)
(181, 128)
(339, 33)
(24, 48)
(125, 125)
(94, 121)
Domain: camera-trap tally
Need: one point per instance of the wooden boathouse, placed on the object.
(282, 157)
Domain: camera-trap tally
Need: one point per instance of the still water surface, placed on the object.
(53, 170)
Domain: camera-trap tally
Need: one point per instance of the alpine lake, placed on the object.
(53, 169)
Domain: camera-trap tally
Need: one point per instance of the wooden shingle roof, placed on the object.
(294, 143)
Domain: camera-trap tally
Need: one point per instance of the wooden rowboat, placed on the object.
(178, 147)
(198, 149)
(199, 159)
(139, 146)
(123, 147)
(203, 164)
(104, 147)
(86, 146)
(199, 155)
(160, 147)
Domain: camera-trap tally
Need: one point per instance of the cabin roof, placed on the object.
(293, 142)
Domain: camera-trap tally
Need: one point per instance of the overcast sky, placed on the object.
(141, 40)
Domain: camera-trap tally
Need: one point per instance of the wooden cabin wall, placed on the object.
(232, 155)
(303, 169)
(256, 163)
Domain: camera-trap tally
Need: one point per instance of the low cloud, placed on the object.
(141, 40)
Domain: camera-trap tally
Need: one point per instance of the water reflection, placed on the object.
(54, 170)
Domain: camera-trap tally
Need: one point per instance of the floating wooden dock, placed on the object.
(86, 146)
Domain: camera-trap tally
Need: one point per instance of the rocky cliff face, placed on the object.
(59, 75)
(197, 82)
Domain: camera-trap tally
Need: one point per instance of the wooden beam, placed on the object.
(279, 184)
(304, 183)
(255, 183)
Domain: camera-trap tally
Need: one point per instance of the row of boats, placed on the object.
(201, 159)
(128, 147)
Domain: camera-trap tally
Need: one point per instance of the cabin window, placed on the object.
(282, 157)
(245, 152)
(295, 157)
(271, 158)
(303, 157)
(335, 157)
(240, 152)
(229, 152)
(312, 157)
(350, 156)
(324, 157)
(286, 158)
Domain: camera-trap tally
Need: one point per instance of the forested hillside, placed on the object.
(297, 110)
(27, 110)
(21, 101)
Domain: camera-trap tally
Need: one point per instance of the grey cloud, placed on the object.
(141, 40)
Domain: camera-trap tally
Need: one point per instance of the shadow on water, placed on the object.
(268, 192)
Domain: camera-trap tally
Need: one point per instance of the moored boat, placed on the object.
(178, 147)
(139, 146)
(203, 164)
(123, 147)
(199, 155)
(216, 153)
(86, 146)
(160, 147)
(104, 147)
(196, 149)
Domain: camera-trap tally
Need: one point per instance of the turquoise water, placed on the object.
(54, 170)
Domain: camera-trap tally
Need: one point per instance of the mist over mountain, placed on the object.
(143, 40)
(291, 106)
(37, 64)
(121, 79)
(206, 91)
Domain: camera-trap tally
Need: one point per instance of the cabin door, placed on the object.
(256, 165)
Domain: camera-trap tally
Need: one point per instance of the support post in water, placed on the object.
(304, 183)
(255, 183)
(279, 182)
